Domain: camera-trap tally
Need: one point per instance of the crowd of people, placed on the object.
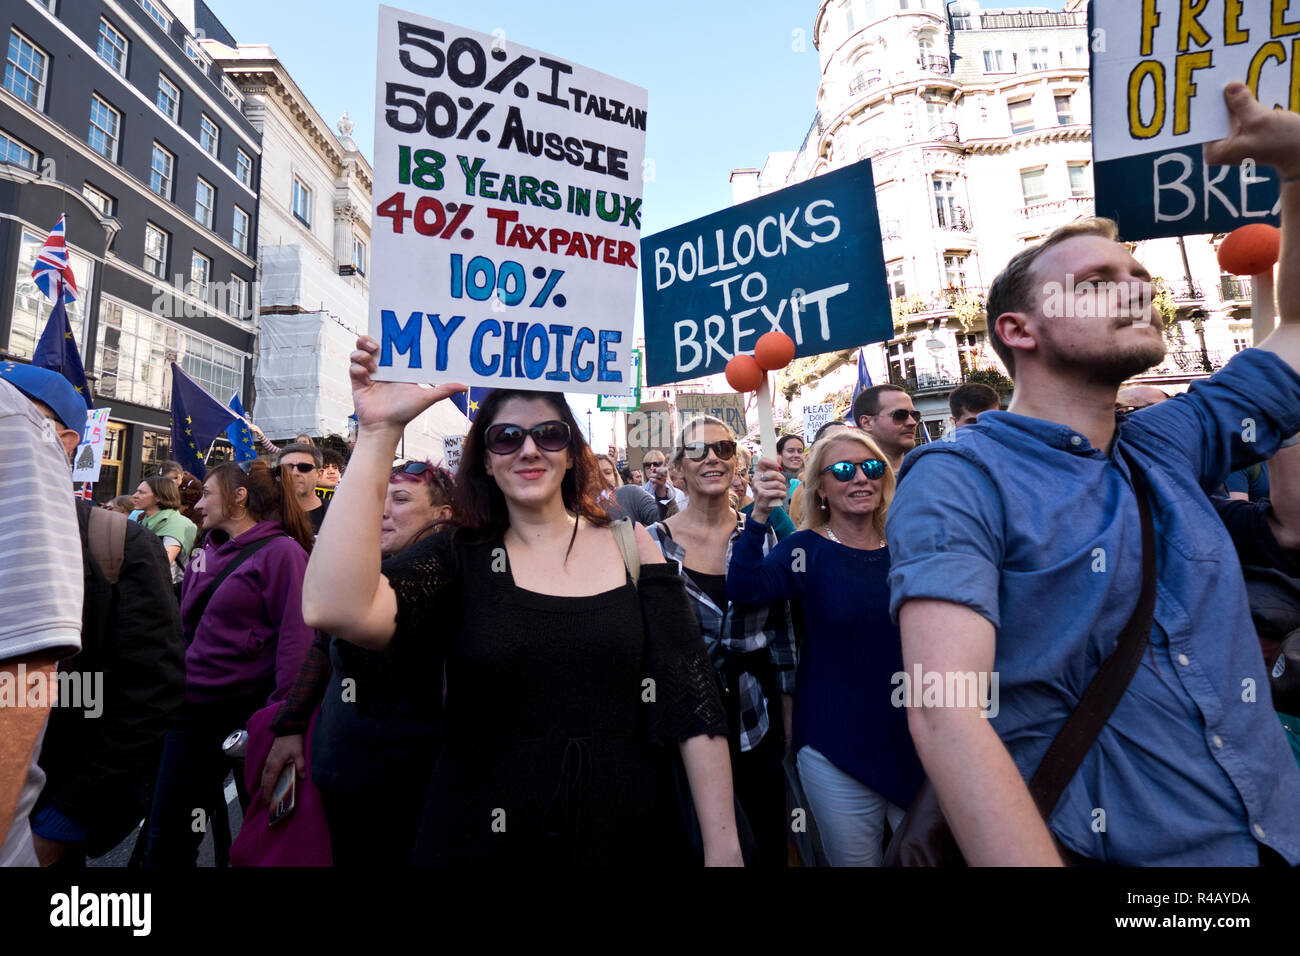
(726, 660)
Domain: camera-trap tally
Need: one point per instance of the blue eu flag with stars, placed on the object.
(57, 351)
(469, 402)
(864, 383)
(240, 437)
(197, 421)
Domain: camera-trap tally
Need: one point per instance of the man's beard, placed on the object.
(1112, 366)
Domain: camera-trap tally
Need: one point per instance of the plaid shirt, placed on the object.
(740, 629)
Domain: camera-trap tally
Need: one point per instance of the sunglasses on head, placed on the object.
(873, 468)
(699, 450)
(411, 468)
(901, 415)
(506, 439)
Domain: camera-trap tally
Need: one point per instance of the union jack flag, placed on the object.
(53, 272)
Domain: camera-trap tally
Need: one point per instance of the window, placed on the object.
(100, 200)
(205, 200)
(244, 168)
(1080, 55)
(1034, 184)
(301, 201)
(359, 255)
(155, 251)
(1080, 182)
(1038, 58)
(1022, 115)
(954, 269)
(232, 94)
(897, 285)
(238, 297)
(970, 351)
(1240, 342)
(200, 275)
(16, 152)
(1064, 109)
(209, 134)
(160, 15)
(25, 70)
(169, 98)
(902, 362)
(105, 123)
(239, 234)
(112, 46)
(160, 172)
(31, 310)
(933, 114)
(993, 61)
(195, 53)
(47, 4)
(945, 202)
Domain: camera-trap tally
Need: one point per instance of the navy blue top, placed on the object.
(850, 658)
(1043, 540)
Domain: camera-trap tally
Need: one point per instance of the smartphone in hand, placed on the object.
(282, 796)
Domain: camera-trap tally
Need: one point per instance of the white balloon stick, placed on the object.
(766, 427)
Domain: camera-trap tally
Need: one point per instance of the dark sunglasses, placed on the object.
(901, 415)
(873, 468)
(302, 467)
(699, 450)
(412, 468)
(506, 439)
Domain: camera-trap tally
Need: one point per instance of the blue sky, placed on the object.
(726, 87)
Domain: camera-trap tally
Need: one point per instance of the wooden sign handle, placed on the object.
(766, 427)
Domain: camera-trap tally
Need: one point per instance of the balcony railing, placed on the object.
(945, 132)
(1021, 21)
(935, 64)
(891, 229)
(956, 220)
(872, 147)
(938, 381)
(1074, 206)
(1235, 289)
(1193, 361)
(864, 80)
(1186, 292)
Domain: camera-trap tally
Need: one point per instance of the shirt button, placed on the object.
(1182, 659)
(1076, 441)
(1218, 742)
(1259, 831)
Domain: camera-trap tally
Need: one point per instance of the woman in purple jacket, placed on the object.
(241, 607)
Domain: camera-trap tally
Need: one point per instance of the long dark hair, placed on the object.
(479, 505)
(271, 496)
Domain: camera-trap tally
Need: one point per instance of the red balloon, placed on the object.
(1250, 250)
(744, 374)
(774, 350)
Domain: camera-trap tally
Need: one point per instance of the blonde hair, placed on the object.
(618, 479)
(814, 515)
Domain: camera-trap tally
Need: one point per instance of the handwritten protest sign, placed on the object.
(805, 261)
(507, 212)
(1167, 62)
(451, 446)
(730, 408)
(814, 417)
(89, 456)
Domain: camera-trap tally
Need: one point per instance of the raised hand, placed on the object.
(388, 403)
(1269, 137)
(770, 488)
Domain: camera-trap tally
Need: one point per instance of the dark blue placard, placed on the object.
(1127, 191)
(694, 327)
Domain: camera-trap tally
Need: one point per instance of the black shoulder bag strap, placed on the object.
(1103, 693)
(201, 605)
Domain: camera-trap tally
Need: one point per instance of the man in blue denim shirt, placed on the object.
(1017, 549)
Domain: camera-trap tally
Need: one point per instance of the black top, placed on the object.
(714, 585)
(560, 711)
(317, 515)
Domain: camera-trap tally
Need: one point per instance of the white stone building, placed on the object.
(313, 259)
(978, 127)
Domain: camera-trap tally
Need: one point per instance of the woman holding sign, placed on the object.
(562, 676)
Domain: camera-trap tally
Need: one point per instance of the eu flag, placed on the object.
(469, 402)
(197, 421)
(57, 351)
(240, 437)
(864, 383)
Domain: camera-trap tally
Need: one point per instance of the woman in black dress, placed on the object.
(565, 682)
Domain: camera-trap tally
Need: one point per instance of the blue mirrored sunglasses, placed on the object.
(873, 468)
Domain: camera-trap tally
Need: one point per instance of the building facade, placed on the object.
(978, 126)
(111, 113)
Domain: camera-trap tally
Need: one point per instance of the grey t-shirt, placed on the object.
(41, 574)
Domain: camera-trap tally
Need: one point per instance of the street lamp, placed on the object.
(589, 426)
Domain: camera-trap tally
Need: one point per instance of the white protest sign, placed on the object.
(451, 452)
(507, 212)
(1159, 68)
(89, 455)
(814, 417)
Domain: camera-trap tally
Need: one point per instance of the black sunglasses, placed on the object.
(411, 468)
(873, 468)
(901, 415)
(506, 439)
(699, 450)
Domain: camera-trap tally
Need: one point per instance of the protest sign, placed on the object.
(630, 400)
(649, 428)
(89, 456)
(507, 212)
(805, 260)
(451, 452)
(814, 417)
(730, 408)
(1166, 62)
